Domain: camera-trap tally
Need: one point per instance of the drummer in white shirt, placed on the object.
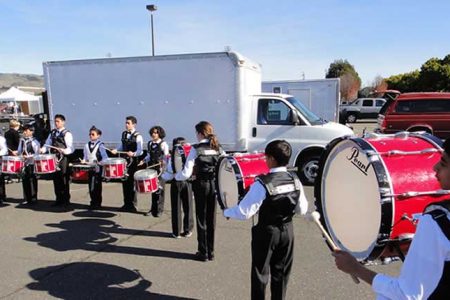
(277, 196)
(425, 274)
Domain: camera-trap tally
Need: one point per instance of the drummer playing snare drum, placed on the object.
(28, 147)
(94, 152)
(425, 273)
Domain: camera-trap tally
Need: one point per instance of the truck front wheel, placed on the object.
(351, 118)
(308, 168)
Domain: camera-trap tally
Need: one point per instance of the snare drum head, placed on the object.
(350, 199)
(145, 174)
(114, 161)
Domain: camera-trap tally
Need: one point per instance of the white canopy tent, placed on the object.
(14, 94)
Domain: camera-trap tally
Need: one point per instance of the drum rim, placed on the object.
(387, 206)
(237, 174)
(12, 158)
(138, 172)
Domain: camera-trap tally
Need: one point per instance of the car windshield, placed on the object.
(309, 115)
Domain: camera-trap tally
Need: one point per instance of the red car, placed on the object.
(429, 112)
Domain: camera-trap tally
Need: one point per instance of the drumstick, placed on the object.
(50, 146)
(120, 152)
(315, 216)
(153, 165)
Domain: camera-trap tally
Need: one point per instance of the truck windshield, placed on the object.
(309, 115)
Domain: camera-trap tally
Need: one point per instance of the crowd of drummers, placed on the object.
(275, 196)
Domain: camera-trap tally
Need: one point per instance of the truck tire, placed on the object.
(307, 169)
(351, 118)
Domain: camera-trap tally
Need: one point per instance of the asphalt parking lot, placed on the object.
(107, 254)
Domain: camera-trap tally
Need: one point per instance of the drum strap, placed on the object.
(283, 189)
(441, 218)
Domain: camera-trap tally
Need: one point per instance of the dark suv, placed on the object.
(428, 112)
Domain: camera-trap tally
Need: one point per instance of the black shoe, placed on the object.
(186, 234)
(201, 257)
(127, 208)
(211, 256)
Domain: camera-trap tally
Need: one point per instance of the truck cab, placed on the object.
(281, 116)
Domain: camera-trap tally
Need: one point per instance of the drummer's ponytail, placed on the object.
(206, 129)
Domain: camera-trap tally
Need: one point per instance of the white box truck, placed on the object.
(178, 91)
(321, 96)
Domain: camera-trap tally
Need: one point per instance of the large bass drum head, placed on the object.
(349, 198)
(227, 185)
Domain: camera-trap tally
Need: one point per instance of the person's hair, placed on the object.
(446, 146)
(28, 127)
(61, 117)
(132, 119)
(14, 123)
(207, 130)
(178, 141)
(280, 150)
(160, 130)
(95, 129)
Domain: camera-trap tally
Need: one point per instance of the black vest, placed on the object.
(282, 196)
(155, 151)
(129, 144)
(27, 146)
(58, 140)
(91, 147)
(440, 211)
(206, 161)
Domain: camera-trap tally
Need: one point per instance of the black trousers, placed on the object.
(205, 210)
(157, 206)
(272, 254)
(2, 187)
(95, 187)
(181, 197)
(29, 184)
(61, 182)
(129, 194)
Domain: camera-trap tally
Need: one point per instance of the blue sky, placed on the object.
(289, 38)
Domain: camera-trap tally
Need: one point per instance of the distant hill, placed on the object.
(8, 80)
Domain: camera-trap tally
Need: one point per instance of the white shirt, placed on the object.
(164, 147)
(423, 266)
(3, 147)
(190, 162)
(90, 157)
(34, 143)
(253, 200)
(139, 143)
(68, 138)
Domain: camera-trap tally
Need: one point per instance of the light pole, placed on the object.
(152, 8)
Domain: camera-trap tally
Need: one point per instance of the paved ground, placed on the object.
(47, 254)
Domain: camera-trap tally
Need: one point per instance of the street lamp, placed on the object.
(152, 8)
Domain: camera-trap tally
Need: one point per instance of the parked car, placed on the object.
(429, 112)
(361, 108)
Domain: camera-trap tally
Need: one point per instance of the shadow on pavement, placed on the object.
(95, 235)
(91, 280)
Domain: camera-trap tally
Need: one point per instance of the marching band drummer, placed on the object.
(3, 152)
(202, 161)
(131, 144)
(158, 151)
(277, 196)
(28, 147)
(60, 143)
(94, 152)
(425, 273)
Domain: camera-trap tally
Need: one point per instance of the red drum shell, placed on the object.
(80, 172)
(12, 164)
(146, 181)
(359, 186)
(236, 173)
(44, 164)
(114, 168)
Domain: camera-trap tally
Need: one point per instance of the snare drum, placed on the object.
(44, 164)
(180, 153)
(370, 189)
(12, 164)
(146, 181)
(80, 172)
(235, 174)
(114, 168)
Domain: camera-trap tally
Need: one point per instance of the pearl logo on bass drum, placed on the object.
(353, 158)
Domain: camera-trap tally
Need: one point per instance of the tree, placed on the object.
(350, 81)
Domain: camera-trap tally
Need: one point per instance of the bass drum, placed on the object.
(370, 189)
